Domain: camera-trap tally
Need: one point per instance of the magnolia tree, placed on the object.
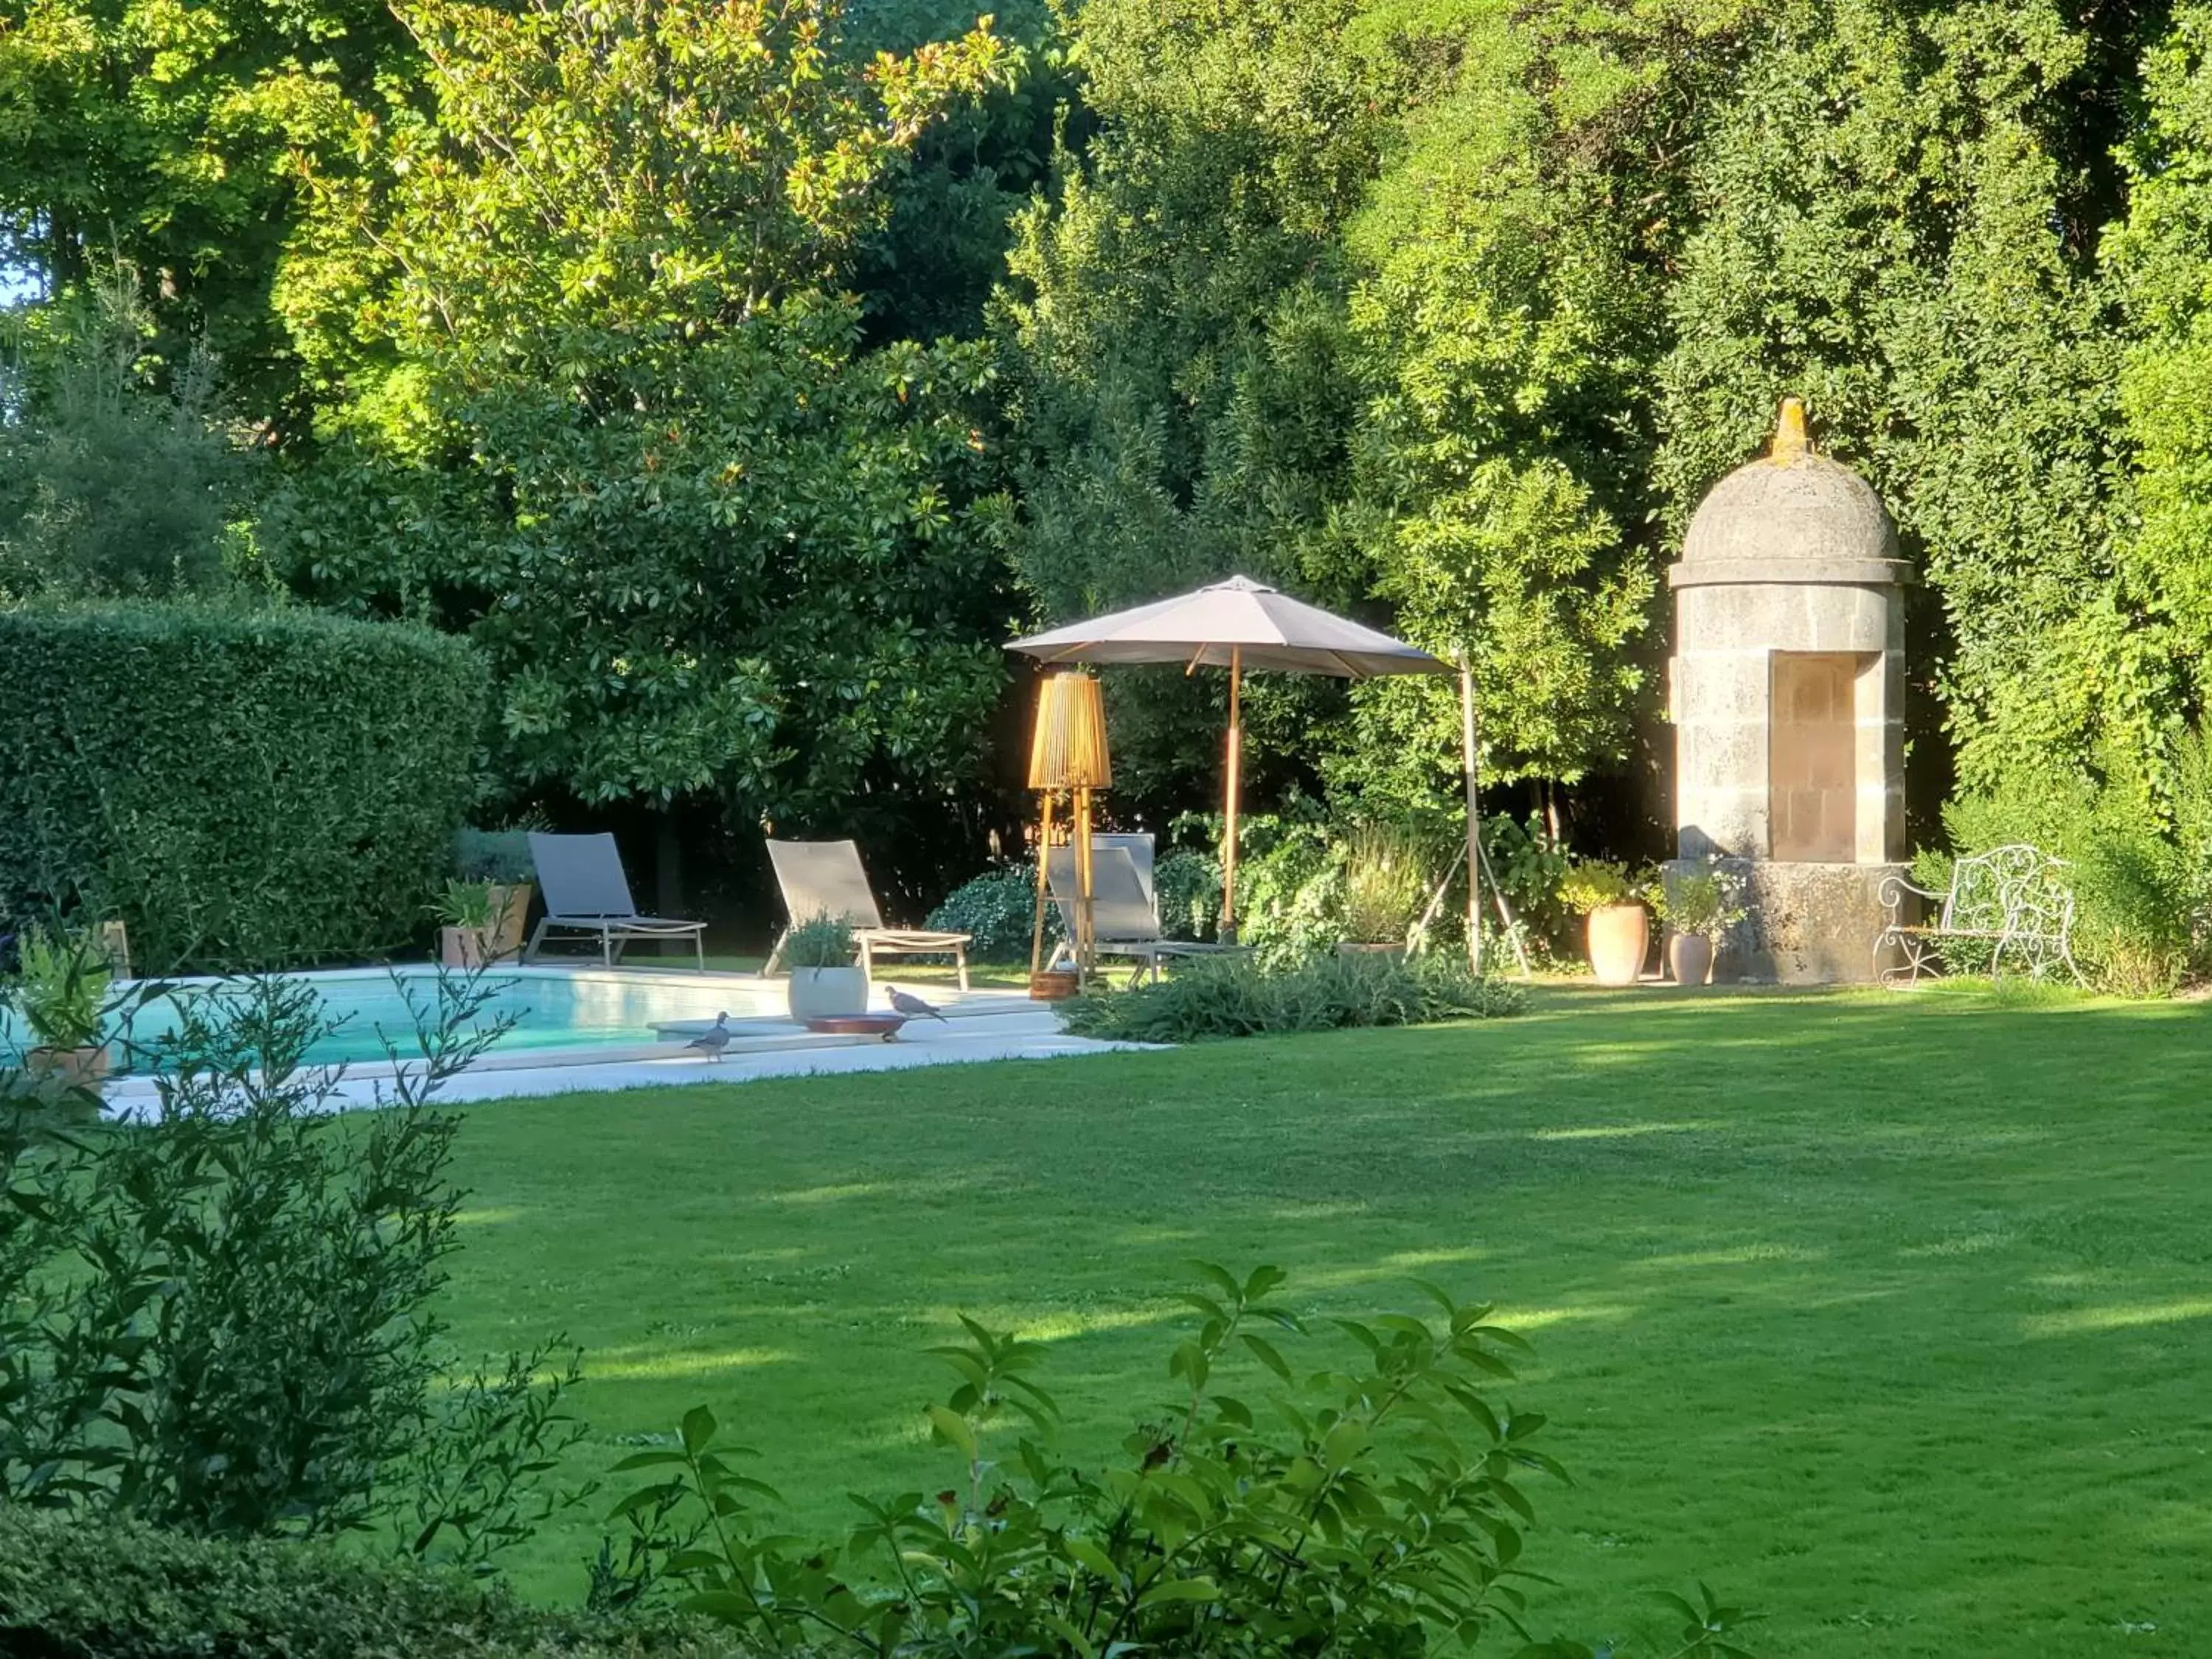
(595, 399)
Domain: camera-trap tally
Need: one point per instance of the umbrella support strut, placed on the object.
(1236, 763)
(1473, 822)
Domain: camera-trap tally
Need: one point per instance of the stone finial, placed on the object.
(1790, 440)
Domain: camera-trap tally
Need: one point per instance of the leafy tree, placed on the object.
(1367, 299)
(931, 269)
(595, 402)
(110, 485)
(1510, 314)
(1176, 352)
(162, 135)
(1887, 228)
(2163, 256)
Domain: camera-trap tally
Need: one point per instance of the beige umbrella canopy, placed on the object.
(1237, 624)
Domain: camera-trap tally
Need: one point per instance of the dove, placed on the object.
(716, 1040)
(912, 1006)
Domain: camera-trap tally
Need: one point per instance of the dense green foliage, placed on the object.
(243, 788)
(594, 401)
(71, 1588)
(2162, 255)
(109, 485)
(734, 378)
(998, 911)
(1375, 1506)
(220, 1320)
(1214, 997)
(1344, 299)
(165, 135)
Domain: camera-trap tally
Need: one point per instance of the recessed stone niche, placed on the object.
(1788, 697)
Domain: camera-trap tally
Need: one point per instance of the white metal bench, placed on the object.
(2012, 907)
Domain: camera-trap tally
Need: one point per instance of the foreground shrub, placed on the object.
(248, 789)
(1233, 997)
(74, 1588)
(1373, 1507)
(220, 1320)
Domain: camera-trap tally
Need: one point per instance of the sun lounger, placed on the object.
(824, 877)
(1124, 907)
(586, 892)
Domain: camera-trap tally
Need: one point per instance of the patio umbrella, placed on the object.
(1240, 624)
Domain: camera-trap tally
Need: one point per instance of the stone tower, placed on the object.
(1788, 701)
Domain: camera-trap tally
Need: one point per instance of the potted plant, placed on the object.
(1617, 927)
(500, 859)
(824, 983)
(1385, 888)
(471, 915)
(60, 992)
(1695, 905)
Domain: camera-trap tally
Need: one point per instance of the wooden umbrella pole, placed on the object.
(1473, 822)
(1236, 766)
(1043, 893)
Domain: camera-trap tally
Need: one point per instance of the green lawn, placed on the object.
(1890, 1315)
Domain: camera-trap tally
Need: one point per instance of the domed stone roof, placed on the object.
(1792, 515)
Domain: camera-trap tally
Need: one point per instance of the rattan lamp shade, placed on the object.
(1069, 750)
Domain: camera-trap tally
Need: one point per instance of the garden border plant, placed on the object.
(1211, 997)
(1372, 1505)
(221, 1318)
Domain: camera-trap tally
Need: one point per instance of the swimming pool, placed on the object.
(555, 1009)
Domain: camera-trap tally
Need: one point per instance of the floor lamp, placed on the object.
(1067, 755)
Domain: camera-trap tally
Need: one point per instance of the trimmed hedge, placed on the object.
(74, 1587)
(246, 788)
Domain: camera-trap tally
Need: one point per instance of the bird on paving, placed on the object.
(714, 1041)
(912, 1006)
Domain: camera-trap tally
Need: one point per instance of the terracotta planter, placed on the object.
(1054, 985)
(1690, 958)
(461, 947)
(511, 905)
(1619, 936)
(73, 1068)
(828, 993)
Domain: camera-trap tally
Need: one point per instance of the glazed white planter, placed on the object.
(828, 993)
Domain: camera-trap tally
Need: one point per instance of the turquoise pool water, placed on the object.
(553, 1008)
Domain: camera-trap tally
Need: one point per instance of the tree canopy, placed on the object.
(589, 396)
(737, 375)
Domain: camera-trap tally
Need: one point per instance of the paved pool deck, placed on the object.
(978, 1025)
